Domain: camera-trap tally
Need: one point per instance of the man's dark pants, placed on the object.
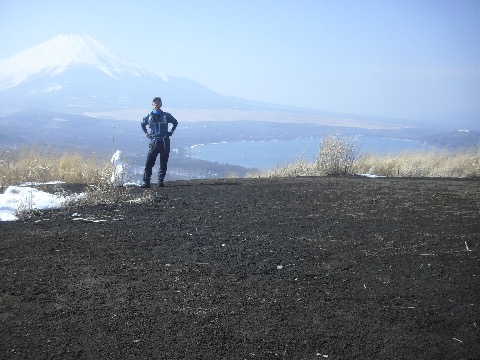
(157, 146)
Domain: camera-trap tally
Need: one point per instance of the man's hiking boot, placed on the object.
(161, 184)
(145, 184)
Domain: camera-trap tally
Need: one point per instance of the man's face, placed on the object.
(157, 104)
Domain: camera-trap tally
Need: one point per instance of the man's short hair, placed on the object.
(156, 98)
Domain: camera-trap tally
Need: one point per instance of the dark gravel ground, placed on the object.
(294, 268)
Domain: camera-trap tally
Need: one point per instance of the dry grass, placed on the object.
(459, 164)
(338, 155)
(301, 167)
(39, 166)
(43, 165)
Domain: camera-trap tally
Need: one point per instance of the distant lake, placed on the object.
(266, 155)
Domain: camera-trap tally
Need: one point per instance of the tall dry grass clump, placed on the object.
(43, 165)
(336, 155)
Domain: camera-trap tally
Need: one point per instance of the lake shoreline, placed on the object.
(267, 154)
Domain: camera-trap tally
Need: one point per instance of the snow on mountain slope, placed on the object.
(54, 56)
(77, 74)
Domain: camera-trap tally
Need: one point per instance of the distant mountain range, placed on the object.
(77, 74)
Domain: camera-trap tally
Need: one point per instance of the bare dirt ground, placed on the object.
(297, 268)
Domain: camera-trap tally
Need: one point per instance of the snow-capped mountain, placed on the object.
(78, 74)
(61, 53)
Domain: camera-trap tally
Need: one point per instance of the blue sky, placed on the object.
(407, 59)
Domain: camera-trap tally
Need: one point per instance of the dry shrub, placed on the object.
(105, 193)
(336, 155)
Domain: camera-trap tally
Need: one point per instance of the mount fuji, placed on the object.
(77, 74)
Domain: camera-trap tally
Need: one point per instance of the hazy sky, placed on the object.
(412, 59)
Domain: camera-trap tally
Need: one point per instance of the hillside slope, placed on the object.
(299, 268)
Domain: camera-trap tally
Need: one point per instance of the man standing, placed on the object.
(157, 120)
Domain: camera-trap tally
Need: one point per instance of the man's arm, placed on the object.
(143, 124)
(174, 123)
